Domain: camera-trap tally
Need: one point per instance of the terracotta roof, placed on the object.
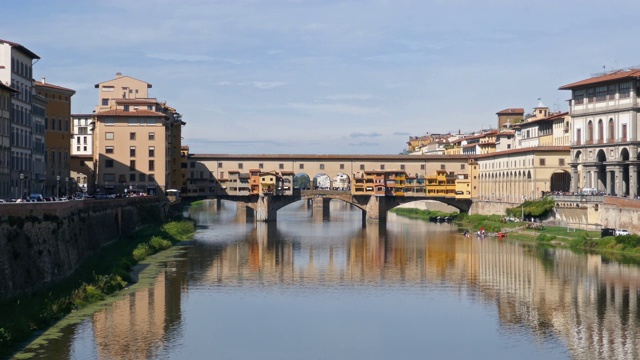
(137, 101)
(139, 113)
(81, 115)
(613, 76)
(8, 88)
(21, 48)
(511, 111)
(525, 150)
(54, 87)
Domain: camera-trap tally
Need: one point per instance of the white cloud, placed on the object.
(268, 85)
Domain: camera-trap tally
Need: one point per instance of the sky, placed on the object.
(327, 76)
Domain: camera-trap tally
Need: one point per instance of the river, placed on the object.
(309, 287)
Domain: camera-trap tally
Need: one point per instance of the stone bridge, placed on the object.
(374, 208)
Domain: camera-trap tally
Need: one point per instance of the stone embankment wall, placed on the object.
(484, 207)
(41, 243)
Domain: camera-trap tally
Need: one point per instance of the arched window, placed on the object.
(611, 131)
(600, 131)
(590, 132)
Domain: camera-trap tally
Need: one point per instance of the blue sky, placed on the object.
(327, 77)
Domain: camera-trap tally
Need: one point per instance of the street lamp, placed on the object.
(57, 186)
(66, 192)
(21, 181)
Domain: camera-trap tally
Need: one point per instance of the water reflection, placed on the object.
(566, 304)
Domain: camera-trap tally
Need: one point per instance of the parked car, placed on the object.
(36, 198)
(622, 232)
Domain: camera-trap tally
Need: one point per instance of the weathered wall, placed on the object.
(485, 207)
(41, 243)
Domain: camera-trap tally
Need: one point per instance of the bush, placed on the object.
(180, 230)
(157, 244)
(545, 238)
(141, 252)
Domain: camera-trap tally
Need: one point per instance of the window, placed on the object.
(152, 151)
(240, 165)
(442, 167)
(105, 101)
(151, 121)
(601, 93)
(625, 90)
(543, 162)
(132, 164)
(108, 150)
(362, 167)
(611, 130)
(83, 130)
(281, 166)
(133, 121)
(109, 177)
(152, 165)
(462, 166)
(152, 136)
(142, 177)
(126, 108)
(261, 166)
(578, 97)
(108, 163)
(422, 167)
(402, 167)
(107, 122)
(321, 166)
(192, 164)
(341, 166)
(152, 178)
(301, 166)
(107, 88)
(611, 92)
(132, 136)
(132, 177)
(624, 132)
(381, 166)
(132, 151)
(108, 136)
(220, 165)
(591, 95)
(561, 162)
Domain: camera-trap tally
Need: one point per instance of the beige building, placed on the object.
(137, 140)
(57, 133)
(509, 117)
(514, 175)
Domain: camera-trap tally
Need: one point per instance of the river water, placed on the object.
(309, 287)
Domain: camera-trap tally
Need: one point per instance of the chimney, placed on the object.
(44, 80)
(118, 74)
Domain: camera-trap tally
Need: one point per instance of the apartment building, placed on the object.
(82, 152)
(6, 92)
(57, 134)
(39, 106)
(509, 117)
(16, 71)
(137, 140)
(605, 129)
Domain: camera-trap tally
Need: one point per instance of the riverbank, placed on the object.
(103, 275)
(543, 233)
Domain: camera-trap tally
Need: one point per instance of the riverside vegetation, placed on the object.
(100, 275)
(538, 232)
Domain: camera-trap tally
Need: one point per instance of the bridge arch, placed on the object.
(321, 181)
(301, 181)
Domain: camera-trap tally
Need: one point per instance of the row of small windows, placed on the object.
(602, 93)
(322, 167)
(132, 136)
(132, 178)
(109, 163)
(132, 151)
(610, 131)
(21, 68)
(510, 164)
(134, 121)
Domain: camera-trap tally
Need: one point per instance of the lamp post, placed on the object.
(57, 186)
(21, 181)
(66, 192)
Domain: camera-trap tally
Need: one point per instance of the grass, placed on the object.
(100, 275)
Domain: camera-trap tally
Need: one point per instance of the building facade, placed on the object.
(57, 133)
(604, 152)
(16, 70)
(137, 140)
(6, 92)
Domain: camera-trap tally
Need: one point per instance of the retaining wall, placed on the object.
(41, 243)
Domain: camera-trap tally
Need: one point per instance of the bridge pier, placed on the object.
(264, 209)
(243, 212)
(377, 208)
(321, 207)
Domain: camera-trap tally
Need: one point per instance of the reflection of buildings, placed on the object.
(590, 305)
(137, 327)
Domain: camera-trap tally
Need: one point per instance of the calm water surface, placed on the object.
(313, 288)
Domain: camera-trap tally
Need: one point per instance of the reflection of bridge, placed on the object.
(374, 208)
